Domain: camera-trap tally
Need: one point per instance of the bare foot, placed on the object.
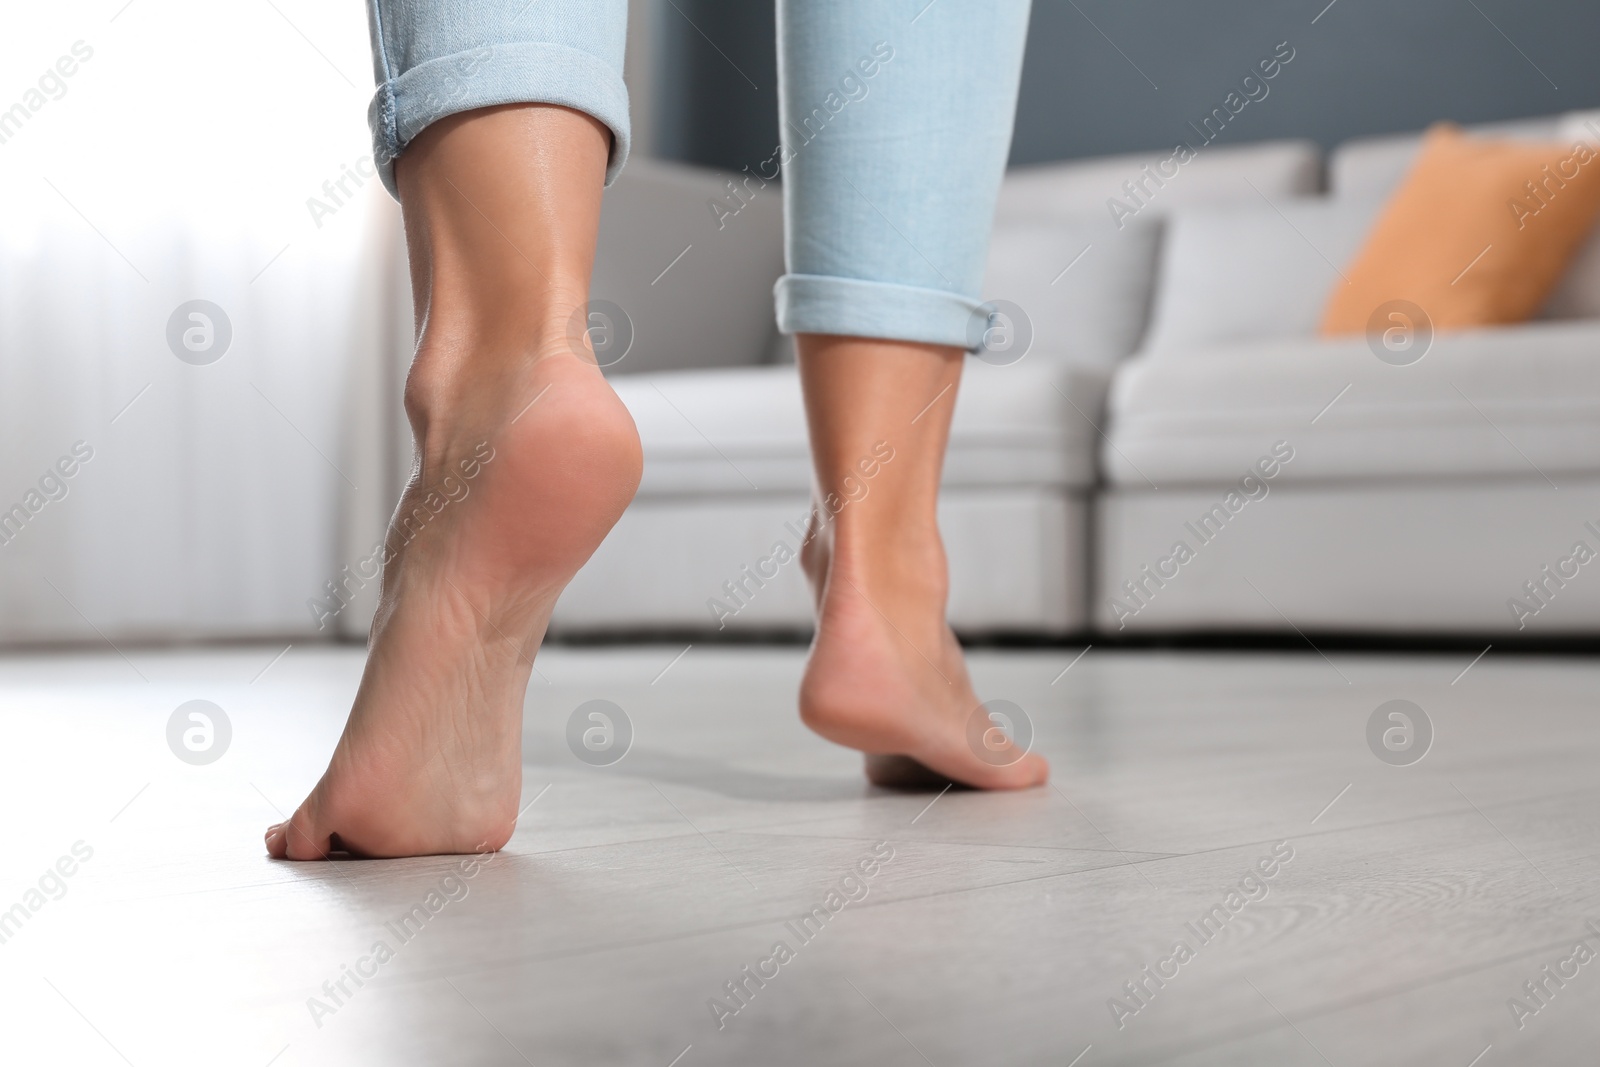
(525, 459)
(431, 758)
(887, 676)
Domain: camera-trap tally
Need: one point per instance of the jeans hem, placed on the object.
(523, 72)
(853, 307)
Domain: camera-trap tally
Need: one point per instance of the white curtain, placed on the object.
(159, 152)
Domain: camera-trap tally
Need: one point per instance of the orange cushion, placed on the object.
(1479, 233)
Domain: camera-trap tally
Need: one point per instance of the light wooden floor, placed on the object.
(1417, 903)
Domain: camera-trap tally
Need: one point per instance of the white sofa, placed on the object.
(1172, 352)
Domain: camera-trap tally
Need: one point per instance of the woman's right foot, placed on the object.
(887, 676)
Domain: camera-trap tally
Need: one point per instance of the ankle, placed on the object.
(911, 566)
(453, 386)
(469, 340)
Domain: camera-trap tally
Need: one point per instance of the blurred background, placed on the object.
(231, 459)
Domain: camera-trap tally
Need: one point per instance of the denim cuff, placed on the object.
(523, 72)
(852, 307)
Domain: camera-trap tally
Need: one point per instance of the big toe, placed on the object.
(1031, 770)
(274, 839)
(298, 839)
(1007, 768)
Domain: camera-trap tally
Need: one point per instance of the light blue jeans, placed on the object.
(895, 122)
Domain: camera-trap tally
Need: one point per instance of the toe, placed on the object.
(1033, 769)
(303, 839)
(1028, 769)
(275, 841)
(1006, 768)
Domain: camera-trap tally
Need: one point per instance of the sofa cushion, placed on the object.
(1084, 287)
(743, 430)
(1255, 270)
(1578, 295)
(1462, 238)
(1371, 167)
(1520, 401)
(1018, 562)
(1079, 188)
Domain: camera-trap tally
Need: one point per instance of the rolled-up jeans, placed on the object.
(895, 120)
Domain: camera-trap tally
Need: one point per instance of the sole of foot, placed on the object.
(514, 491)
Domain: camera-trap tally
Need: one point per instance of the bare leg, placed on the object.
(886, 675)
(502, 207)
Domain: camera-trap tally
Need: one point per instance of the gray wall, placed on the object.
(1151, 66)
(1365, 66)
(717, 108)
